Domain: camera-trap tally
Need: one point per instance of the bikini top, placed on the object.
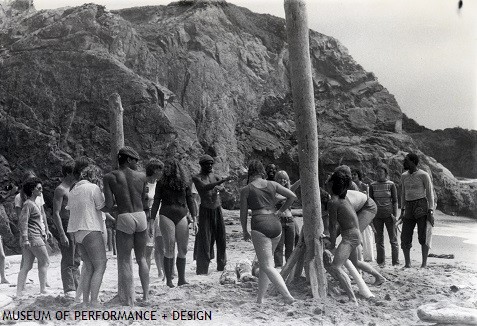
(261, 198)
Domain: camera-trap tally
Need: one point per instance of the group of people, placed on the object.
(149, 210)
(351, 208)
(155, 210)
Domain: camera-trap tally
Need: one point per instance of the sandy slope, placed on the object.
(397, 300)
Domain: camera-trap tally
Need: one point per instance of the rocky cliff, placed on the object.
(193, 77)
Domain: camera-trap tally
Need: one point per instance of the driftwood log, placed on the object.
(307, 136)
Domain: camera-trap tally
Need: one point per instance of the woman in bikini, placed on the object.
(173, 193)
(259, 195)
(85, 201)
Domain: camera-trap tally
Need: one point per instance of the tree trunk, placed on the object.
(306, 126)
(117, 129)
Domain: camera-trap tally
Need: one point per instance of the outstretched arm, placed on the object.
(202, 186)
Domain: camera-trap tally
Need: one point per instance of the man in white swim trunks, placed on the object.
(126, 188)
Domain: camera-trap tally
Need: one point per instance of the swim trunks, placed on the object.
(131, 222)
(351, 237)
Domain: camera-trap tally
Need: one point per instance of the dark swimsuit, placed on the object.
(174, 204)
(264, 198)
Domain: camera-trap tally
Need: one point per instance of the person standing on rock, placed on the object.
(417, 207)
(211, 221)
(174, 196)
(126, 188)
(384, 193)
(70, 258)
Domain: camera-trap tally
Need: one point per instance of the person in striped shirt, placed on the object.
(384, 193)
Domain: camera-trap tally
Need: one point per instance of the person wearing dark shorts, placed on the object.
(417, 207)
(260, 196)
(211, 228)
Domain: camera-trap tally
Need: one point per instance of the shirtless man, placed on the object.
(127, 188)
(70, 258)
(211, 222)
(343, 214)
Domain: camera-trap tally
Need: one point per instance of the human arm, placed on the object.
(108, 194)
(202, 186)
(157, 202)
(58, 197)
(23, 225)
(403, 200)
(192, 208)
(332, 218)
(394, 201)
(290, 196)
(430, 197)
(295, 186)
(244, 212)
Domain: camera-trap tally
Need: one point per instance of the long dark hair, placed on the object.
(340, 183)
(174, 176)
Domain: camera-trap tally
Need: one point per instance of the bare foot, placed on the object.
(290, 300)
(379, 280)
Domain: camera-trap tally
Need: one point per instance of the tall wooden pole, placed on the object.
(117, 129)
(306, 126)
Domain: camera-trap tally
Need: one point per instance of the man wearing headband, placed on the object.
(126, 188)
(211, 222)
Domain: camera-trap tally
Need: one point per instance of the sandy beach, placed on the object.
(453, 281)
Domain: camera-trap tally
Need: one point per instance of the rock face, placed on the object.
(453, 147)
(194, 77)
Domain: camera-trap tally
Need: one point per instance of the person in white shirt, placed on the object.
(85, 202)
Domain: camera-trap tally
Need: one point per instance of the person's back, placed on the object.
(261, 196)
(127, 187)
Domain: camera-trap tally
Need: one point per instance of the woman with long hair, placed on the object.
(259, 195)
(33, 236)
(85, 201)
(289, 226)
(173, 193)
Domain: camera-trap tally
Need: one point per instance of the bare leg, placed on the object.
(43, 262)
(425, 253)
(3, 279)
(125, 279)
(79, 289)
(140, 242)
(336, 269)
(169, 240)
(149, 253)
(159, 256)
(264, 248)
(379, 279)
(182, 238)
(27, 263)
(94, 248)
(86, 273)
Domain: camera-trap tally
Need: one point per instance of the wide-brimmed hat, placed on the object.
(129, 151)
(206, 159)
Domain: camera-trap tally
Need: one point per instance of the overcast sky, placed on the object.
(423, 51)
